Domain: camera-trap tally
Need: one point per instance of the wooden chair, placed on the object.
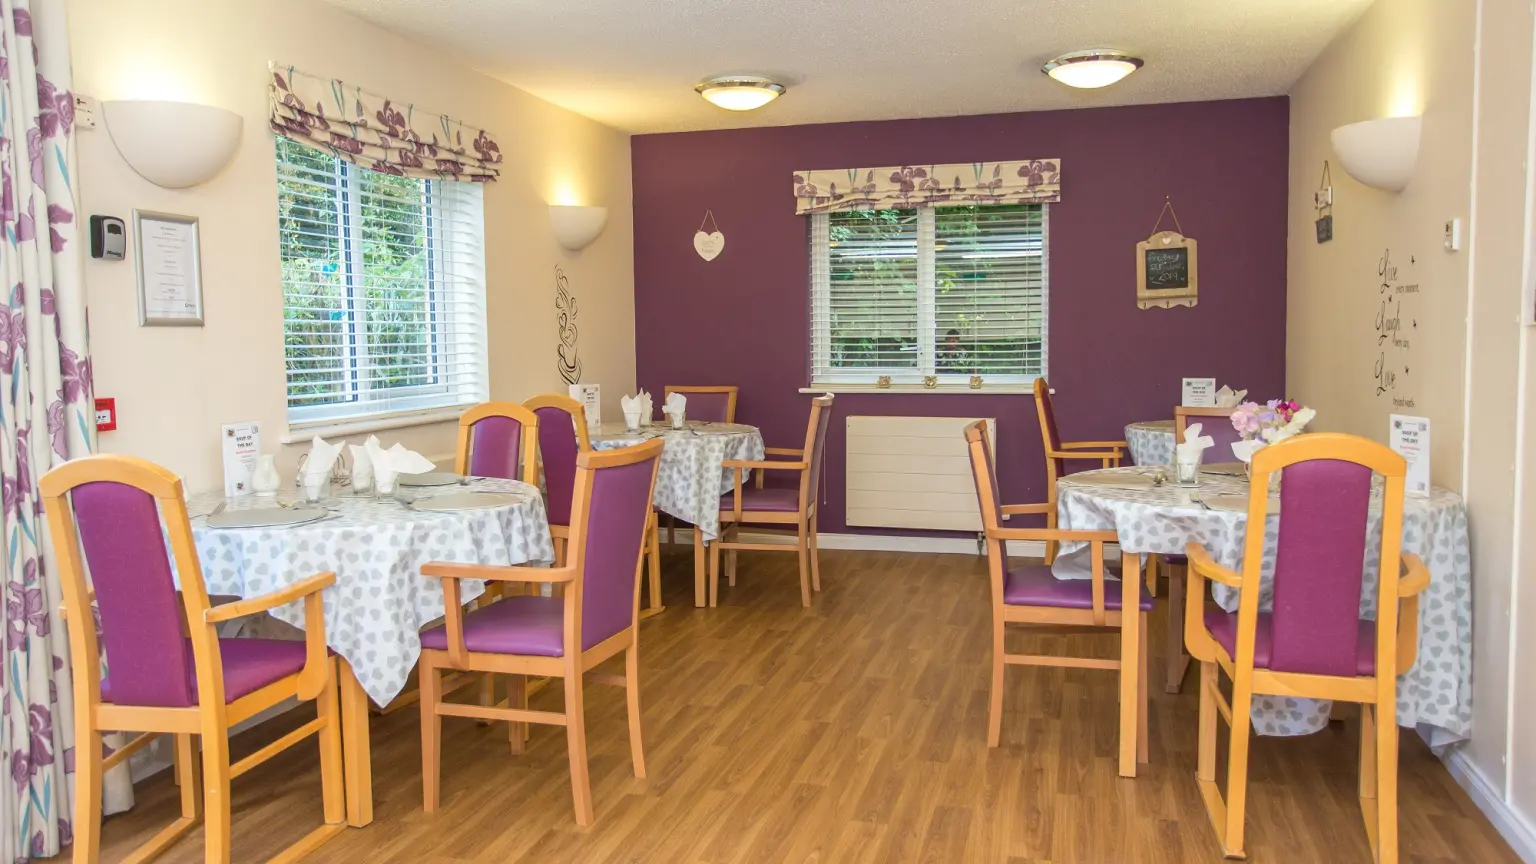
(1058, 453)
(104, 513)
(1031, 595)
(597, 617)
(1215, 422)
(774, 506)
(499, 439)
(1314, 643)
(563, 436)
(712, 404)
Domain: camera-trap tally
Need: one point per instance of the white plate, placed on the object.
(429, 478)
(266, 517)
(1112, 481)
(456, 501)
(1237, 503)
(1224, 469)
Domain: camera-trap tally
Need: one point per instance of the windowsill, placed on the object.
(302, 432)
(910, 389)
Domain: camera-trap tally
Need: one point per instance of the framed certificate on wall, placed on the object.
(169, 269)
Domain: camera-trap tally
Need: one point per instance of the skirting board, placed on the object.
(1519, 833)
(892, 543)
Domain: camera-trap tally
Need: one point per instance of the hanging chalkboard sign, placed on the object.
(1167, 269)
(1167, 266)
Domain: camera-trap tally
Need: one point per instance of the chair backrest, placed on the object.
(987, 496)
(714, 404)
(562, 435)
(608, 521)
(498, 439)
(1215, 422)
(815, 449)
(104, 513)
(1049, 436)
(1320, 551)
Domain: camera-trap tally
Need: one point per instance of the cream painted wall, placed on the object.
(175, 386)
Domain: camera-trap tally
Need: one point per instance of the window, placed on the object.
(952, 292)
(383, 289)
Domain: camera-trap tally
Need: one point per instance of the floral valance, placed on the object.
(378, 133)
(1033, 181)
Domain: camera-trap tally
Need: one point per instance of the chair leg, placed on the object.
(1386, 782)
(332, 781)
(517, 697)
(1237, 766)
(1143, 742)
(487, 695)
(1130, 662)
(714, 569)
(815, 556)
(88, 773)
(1178, 661)
(431, 687)
(1154, 564)
(672, 530)
(803, 544)
(632, 695)
(995, 694)
(1050, 545)
(187, 777)
(216, 779)
(576, 744)
(699, 568)
(655, 563)
(1367, 753)
(730, 567)
(1205, 765)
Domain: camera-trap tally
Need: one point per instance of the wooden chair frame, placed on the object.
(211, 718)
(1107, 453)
(1134, 741)
(529, 436)
(730, 391)
(804, 519)
(571, 667)
(1396, 649)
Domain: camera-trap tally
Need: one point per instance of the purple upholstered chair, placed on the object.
(499, 439)
(1031, 595)
(709, 404)
(104, 513)
(1313, 642)
(1060, 454)
(595, 618)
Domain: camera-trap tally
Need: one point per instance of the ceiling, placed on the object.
(632, 64)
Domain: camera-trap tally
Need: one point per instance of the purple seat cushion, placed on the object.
(1223, 627)
(514, 625)
(768, 500)
(249, 665)
(1035, 586)
(1176, 559)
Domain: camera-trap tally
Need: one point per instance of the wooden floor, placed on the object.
(850, 732)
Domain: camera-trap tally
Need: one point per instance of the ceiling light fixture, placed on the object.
(1096, 67)
(740, 92)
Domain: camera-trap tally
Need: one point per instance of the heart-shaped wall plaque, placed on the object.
(709, 246)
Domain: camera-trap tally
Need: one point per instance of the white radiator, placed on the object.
(912, 472)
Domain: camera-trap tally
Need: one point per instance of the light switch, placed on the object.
(1453, 235)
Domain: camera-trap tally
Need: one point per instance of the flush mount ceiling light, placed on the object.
(1096, 67)
(740, 92)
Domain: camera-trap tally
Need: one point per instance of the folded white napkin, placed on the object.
(322, 457)
(387, 464)
(1244, 450)
(646, 408)
(362, 466)
(1194, 444)
(676, 405)
(1226, 397)
(631, 406)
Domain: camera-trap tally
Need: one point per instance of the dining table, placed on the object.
(376, 546)
(1151, 516)
(1150, 442)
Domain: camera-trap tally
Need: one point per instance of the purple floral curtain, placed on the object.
(377, 133)
(1031, 181)
(45, 415)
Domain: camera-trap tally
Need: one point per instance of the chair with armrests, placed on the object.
(1031, 595)
(594, 619)
(499, 439)
(104, 514)
(713, 404)
(563, 435)
(776, 506)
(1059, 453)
(1313, 643)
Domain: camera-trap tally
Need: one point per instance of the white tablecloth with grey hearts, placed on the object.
(1435, 695)
(1150, 442)
(692, 476)
(380, 601)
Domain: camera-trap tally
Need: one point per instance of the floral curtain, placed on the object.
(45, 415)
(374, 132)
(1033, 181)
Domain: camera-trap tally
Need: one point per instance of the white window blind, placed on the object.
(952, 292)
(383, 289)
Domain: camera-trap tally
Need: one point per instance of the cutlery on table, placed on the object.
(219, 509)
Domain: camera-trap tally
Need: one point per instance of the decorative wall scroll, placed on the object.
(1032, 181)
(1167, 266)
(1396, 330)
(709, 244)
(565, 315)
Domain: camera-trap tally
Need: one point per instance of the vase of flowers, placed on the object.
(1270, 423)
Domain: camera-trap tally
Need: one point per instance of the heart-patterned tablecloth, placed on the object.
(1150, 442)
(380, 601)
(692, 476)
(1435, 695)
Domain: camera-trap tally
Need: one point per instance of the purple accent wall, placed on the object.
(743, 318)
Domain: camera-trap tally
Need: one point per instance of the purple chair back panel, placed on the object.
(141, 617)
(818, 450)
(1223, 435)
(621, 504)
(557, 448)
(494, 448)
(711, 407)
(990, 479)
(1319, 562)
(1048, 412)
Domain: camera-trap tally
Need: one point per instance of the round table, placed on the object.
(692, 476)
(376, 548)
(1436, 693)
(1150, 442)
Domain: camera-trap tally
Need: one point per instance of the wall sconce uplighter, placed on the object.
(1379, 153)
(173, 144)
(574, 226)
